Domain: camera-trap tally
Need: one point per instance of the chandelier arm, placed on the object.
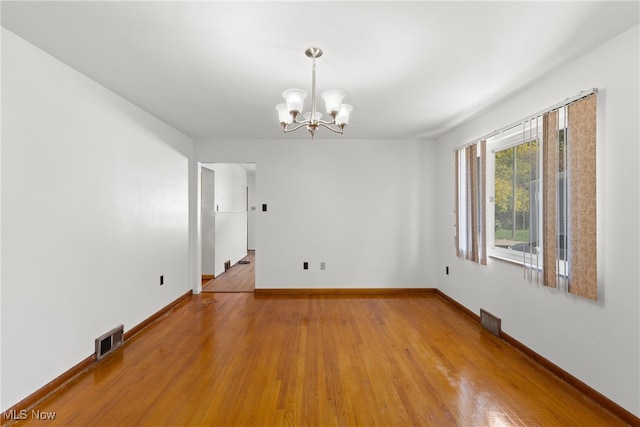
(325, 125)
(324, 122)
(287, 130)
(301, 122)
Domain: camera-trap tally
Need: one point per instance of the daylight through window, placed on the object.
(540, 197)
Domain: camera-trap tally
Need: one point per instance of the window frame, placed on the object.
(510, 138)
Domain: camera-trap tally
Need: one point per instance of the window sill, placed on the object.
(520, 264)
(506, 259)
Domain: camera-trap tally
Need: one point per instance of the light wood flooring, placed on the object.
(239, 278)
(245, 359)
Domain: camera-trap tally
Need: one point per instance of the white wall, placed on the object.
(599, 343)
(230, 210)
(94, 209)
(365, 208)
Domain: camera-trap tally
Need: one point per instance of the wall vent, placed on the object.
(490, 322)
(108, 342)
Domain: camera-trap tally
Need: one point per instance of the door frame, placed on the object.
(196, 205)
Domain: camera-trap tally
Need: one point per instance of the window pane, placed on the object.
(515, 182)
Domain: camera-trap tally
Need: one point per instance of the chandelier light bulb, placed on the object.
(342, 119)
(307, 115)
(333, 101)
(283, 114)
(295, 100)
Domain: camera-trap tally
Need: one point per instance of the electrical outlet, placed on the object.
(323, 266)
(161, 280)
(305, 265)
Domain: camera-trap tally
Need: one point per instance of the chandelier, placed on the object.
(290, 112)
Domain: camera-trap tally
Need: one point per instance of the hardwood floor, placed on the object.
(241, 359)
(240, 278)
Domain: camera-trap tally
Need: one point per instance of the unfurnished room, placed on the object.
(292, 213)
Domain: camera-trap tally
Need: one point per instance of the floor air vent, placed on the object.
(108, 342)
(490, 322)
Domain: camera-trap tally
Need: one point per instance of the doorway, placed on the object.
(228, 227)
(208, 222)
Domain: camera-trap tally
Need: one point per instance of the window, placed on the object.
(513, 167)
(470, 166)
(540, 197)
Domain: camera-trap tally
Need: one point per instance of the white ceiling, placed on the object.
(415, 69)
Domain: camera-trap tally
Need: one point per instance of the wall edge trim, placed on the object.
(343, 291)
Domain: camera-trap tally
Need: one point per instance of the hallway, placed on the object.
(239, 278)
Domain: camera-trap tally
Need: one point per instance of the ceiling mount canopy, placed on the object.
(290, 112)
